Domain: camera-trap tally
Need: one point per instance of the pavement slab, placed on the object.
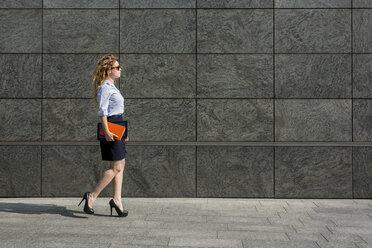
(187, 222)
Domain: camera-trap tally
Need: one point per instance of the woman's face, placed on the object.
(115, 70)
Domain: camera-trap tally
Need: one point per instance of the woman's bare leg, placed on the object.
(115, 168)
(118, 183)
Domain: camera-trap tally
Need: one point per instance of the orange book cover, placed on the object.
(114, 128)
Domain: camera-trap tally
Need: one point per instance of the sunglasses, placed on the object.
(116, 67)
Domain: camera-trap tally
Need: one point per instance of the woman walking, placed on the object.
(111, 108)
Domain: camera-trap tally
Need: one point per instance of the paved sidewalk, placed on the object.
(187, 222)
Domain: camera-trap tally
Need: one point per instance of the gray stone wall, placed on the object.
(243, 98)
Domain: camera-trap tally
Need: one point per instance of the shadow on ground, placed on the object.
(26, 208)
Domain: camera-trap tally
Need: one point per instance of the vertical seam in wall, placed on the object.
(119, 45)
(274, 97)
(352, 75)
(352, 172)
(42, 97)
(196, 171)
(196, 97)
(352, 102)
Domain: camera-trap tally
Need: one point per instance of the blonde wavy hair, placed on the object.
(101, 72)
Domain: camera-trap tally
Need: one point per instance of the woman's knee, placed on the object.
(122, 164)
(118, 166)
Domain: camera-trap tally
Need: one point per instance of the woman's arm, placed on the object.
(103, 96)
(108, 135)
(104, 124)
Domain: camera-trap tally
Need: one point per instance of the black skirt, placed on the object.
(113, 150)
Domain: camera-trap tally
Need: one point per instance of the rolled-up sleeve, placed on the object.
(103, 96)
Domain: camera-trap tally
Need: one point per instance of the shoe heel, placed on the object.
(120, 213)
(81, 201)
(87, 209)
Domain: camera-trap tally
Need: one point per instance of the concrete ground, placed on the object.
(187, 222)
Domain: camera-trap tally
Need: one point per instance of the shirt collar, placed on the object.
(109, 83)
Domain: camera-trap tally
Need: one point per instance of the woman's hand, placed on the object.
(126, 139)
(110, 136)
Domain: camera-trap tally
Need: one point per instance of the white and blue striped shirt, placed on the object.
(110, 100)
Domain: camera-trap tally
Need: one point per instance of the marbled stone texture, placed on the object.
(235, 31)
(20, 119)
(157, 4)
(157, 31)
(362, 3)
(20, 171)
(158, 75)
(362, 119)
(312, 76)
(21, 4)
(313, 120)
(362, 172)
(81, 4)
(69, 120)
(312, 3)
(235, 3)
(313, 31)
(20, 75)
(160, 171)
(313, 172)
(69, 75)
(80, 31)
(226, 171)
(20, 30)
(235, 76)
(214, 72)
(362, 30)
(160, 119)
(235, 120)
(72, 170)
(362, 78)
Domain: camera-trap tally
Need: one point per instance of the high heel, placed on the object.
(87, 209)
(123, 213)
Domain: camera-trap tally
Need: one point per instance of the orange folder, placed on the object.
(115, 129)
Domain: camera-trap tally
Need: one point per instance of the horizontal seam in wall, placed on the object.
(192, 98)
(93, 143)
(179, 8)
(199, 53)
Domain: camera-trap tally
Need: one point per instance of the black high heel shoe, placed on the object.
(87, 209)
(123, 213)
